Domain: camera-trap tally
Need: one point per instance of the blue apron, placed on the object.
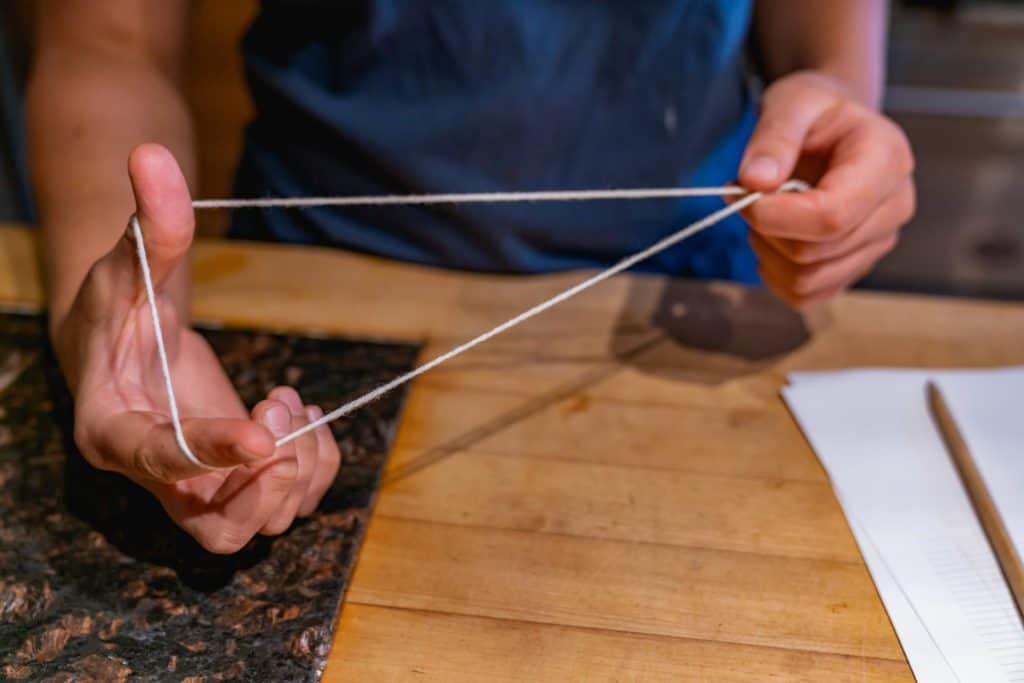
(423, 96)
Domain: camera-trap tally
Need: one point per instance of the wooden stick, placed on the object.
(984, 506)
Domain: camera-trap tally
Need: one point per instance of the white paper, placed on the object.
(933, 566)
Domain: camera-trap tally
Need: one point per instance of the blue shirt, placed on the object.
(424, 96)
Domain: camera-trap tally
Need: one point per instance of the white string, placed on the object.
(351, 406)
(172, 401)
(468, 198)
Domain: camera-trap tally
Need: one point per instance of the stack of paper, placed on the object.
(929, 557)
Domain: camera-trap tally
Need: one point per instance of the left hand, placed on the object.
(813, 245)
(107, 349)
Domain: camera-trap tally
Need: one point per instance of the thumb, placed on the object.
(163, 206)
(777, 141)
(142, 445)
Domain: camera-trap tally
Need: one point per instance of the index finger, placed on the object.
(868, 163)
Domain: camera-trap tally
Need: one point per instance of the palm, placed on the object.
(135, 391)
(201, 386)
(108, 351)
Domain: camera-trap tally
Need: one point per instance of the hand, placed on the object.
(108, 353)
(813, 245)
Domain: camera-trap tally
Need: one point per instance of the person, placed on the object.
(386, 96)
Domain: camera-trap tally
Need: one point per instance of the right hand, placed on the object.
(107, 349)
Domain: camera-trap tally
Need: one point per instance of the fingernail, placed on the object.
(289, 397)
(278, 420)
(762, 169)
(314, 412)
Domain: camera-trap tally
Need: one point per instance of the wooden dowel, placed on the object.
(984, 506)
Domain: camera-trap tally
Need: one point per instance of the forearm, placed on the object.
(87, 107)
(843, 38)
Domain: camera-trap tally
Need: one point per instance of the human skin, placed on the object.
(106, 86)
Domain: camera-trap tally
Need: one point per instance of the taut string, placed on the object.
(746, 200)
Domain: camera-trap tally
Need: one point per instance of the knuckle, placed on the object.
(905, 162)
(777, 138)
(175, 238)
(859, 108)
(167, 311)
(284, 474)
(849, 111)
(908, 201)
(307, 443)
(805, 253)
(146, 463)
(902, 152)
(276, 526)
(223, 540)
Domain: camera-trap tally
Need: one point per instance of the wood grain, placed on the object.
(627, 503)
(763, 442)
(594, 497)
(567, 503)
(646, 588)
(388, 644)
(21, 282)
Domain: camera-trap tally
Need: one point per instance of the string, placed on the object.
(165, 370)
(582, 195)
(468, 198)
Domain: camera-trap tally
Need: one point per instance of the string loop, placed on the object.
(580, 195)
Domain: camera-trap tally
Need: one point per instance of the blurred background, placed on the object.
(956, 84)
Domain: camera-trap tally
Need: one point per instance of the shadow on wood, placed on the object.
(713, 331)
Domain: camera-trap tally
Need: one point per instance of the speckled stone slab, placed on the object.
(96, 584)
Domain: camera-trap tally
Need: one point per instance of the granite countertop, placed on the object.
(97, 584)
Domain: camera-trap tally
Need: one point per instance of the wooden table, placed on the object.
(588, 497)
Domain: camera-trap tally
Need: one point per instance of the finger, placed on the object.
(249, 496)
(306, 459)
(798, 285)
(886, 220)
(819, 298)
(143, 446)
(163, 206)
(801, 304)
(328, 462)
(869, 161)
(228, 520)
(778, 138)
(164, 210)
(288, 396)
